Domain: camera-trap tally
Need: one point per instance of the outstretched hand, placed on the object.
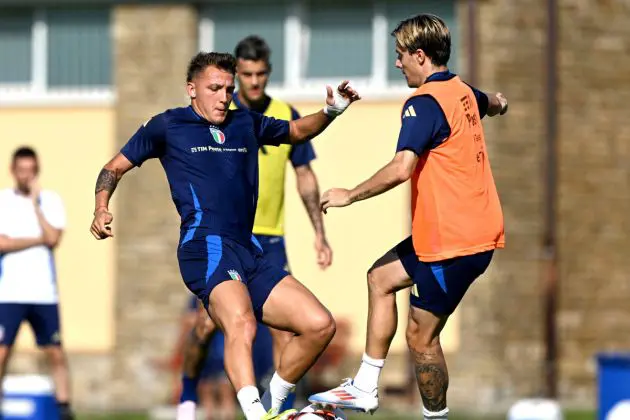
(335, 197)
(339, 99)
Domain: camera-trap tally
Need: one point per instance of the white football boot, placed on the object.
(347, 396)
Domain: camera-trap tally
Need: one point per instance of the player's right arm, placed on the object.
(146, 143)
(8, 244)
(106, 183)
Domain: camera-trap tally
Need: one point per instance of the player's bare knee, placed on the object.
(4, 355)
(420, 341)
(377, 282)
(322, 327)
(241, 328)
(55, 356)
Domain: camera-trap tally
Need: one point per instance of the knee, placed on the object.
(376, 282)
(322, 326)
(4, 355)
(56, 357)
(241, 327)
(420, 341)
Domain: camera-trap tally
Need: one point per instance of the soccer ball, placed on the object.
(317, 412)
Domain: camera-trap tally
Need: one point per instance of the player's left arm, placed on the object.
(497, 104)
(420, 130)
(312, 125)
(490, 104)
(273, 132)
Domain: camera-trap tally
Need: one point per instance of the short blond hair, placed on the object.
(425, 32)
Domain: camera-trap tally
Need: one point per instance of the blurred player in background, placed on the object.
(253, 69)
(31, 223)
(210, 156)
(457, 221)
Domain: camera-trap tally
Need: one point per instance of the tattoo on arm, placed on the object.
(363, 195)
(106, 181)
(311, 202)
(432, 379)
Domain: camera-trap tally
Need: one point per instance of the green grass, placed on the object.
(583, 415)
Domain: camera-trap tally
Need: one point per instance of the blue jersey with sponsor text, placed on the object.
(212, 170)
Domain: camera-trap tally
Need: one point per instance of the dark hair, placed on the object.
(24, 152)
(224, 61)
(425, 32)
(253, 48)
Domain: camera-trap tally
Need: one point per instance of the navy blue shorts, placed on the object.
(274, 250)
(204, 264)
(44, 320)
(440, 286)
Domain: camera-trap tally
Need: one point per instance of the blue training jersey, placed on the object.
(212, 170)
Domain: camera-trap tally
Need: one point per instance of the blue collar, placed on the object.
(440, 76)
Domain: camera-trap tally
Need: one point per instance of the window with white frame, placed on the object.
(322, 41)
(60, 53)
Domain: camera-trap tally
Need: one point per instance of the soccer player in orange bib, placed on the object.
(457, 221)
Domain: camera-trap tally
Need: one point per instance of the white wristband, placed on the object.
(338, 107)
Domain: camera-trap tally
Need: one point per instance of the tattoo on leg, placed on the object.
(106, 181)
(432, 379)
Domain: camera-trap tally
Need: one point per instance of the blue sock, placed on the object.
(288, 403)
(189, 389)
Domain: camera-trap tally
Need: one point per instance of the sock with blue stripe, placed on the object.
(189, 389)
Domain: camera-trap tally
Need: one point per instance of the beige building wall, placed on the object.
(72, 144)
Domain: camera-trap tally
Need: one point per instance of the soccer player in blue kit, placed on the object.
(210, 156)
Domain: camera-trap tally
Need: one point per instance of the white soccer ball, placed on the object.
(620, 411)
(317, 412)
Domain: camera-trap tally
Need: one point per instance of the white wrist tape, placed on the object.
(340, 104)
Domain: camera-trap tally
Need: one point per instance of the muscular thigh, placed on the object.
(390, 273)
(229, 302)
(262, 278)
(290, 306)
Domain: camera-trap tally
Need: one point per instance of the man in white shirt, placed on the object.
(31, 223)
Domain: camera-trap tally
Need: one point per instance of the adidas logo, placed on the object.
(409, 112)
(256, 401)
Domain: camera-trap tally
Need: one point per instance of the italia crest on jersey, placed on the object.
(235, 276)
(217, 135)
